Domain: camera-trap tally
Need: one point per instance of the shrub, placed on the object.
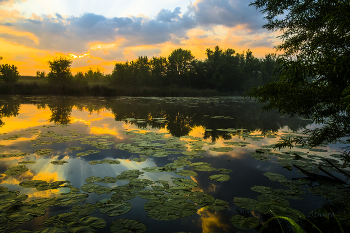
(9, 73)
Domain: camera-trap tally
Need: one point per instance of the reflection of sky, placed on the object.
(247, 171)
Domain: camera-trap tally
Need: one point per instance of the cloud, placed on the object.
(229, 13)
(168, 16)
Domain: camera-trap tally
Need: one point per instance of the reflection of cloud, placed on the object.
(209, 188)
(104, 130)
(210, 221)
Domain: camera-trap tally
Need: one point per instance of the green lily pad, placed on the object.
(85, 153)
(219, 177)
(27, 162)
(221, 149)
(44, 151)
(62, 220)
(24, 213)
(184, 182)
(224, 170)
(246, 203)
(275, 177)
(52, 230)
(201, 199)
(218, 205)
(114, 208)
(41, 185)
(86, 224)
(109, 179)
(186, 173)
(127, 226)
(139, 160)
(85, 210)
(261, 189)
(159, 169)
(16, 170)
(122, 196)
(129, 174)
(244, 223)
(13, 155)
(273, 199)
(59, 162)
(93, 179)
(70, 199)
(95, 188)
(76, 148)
(169, 210)
(150, 194)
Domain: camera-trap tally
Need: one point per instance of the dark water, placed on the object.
(162, 132)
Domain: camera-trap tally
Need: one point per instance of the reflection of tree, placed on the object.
(60, 111)
(8, 107)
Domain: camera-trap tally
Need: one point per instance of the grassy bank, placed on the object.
(36, 88)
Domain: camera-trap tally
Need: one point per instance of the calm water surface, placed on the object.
(100, 138)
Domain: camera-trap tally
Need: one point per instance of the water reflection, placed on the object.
(145, 133)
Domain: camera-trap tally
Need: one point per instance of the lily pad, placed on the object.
(169, 210)
(246, 203)
(85, 153)
(129, 174)
(44, 151)
(27, 162)
(13, 155)
(219, 177)
(186, 173)
(139, 160)
(275, 177)
(59, 162)
(150, 194)
(70, 199)
(121, 196)
(62, 220)
(76, 148)
(218, 205)
(86, 224)
(95, 188)
(201, 199)
(114, 208)
(244, 223)
(93, 179)
(221, 149)
(16, 170)
(85, 210)
(184, 182)
(109, 179)
(127, 226)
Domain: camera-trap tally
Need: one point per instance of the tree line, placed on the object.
(222, 70)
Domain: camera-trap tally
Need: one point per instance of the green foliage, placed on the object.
(60, 73)
(9, 73)
(313, 73)
(80, 79)
(40, 74)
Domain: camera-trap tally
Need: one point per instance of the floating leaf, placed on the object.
(62, 220)
(16, 170)
(93, 179)
(219, 177)
(70, 199)
(121, 195)
(246, 203)
(139, 160)
(13, 155)
(85, 210)
(76, 148)
(275, 177)
(221, 149)
(87, 153)
(261, 189)
(129, 174)
(127, 226)
(109, 179)
(224, 170)
(27, 162)
(150, 194)
(201, 199)
(95, 188)
(244, 223)
(184, 182)
(43, 151)
(186, 173)
(86, 224)
(114, 208)
(59, 162)
(218, 205)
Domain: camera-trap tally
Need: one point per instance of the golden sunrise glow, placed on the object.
(73, 56)
(210, 221)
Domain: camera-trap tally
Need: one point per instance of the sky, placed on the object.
(97, 34)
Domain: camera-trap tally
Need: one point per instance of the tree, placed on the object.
(40, 74)
(180, 67)
(80, 80)
(60, 72)
(158, 66)
(313, 78)
(9, 73)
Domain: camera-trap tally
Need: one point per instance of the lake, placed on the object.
(133, 164)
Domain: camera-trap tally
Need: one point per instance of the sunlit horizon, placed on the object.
(98, 35)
